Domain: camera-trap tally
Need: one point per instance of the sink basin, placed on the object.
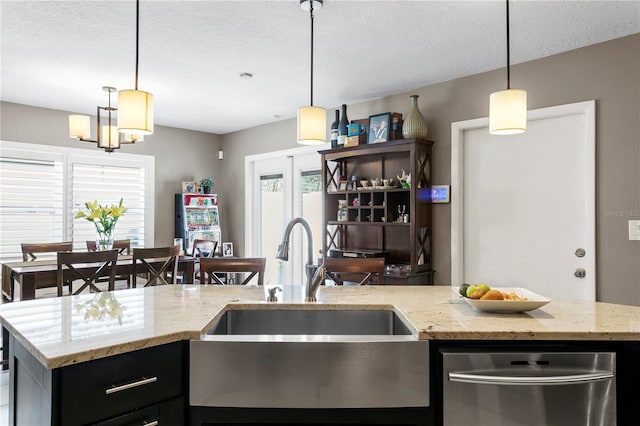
(310, 322)
(275, 357)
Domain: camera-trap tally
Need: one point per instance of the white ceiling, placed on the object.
(58, 54)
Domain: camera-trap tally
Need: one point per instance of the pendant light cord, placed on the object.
(508, 52)
(311, 17)
(137, 38)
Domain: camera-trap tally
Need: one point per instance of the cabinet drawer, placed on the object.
(108, 387)
(168, 413)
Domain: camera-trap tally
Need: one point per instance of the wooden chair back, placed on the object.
(29, 250)
(200, 249)
(210, 266)
(105, 266)
(158, 263)
(123, 246)
(360, 270)
(204, 248)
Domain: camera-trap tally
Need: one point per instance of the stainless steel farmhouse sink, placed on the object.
(309, 358)
(310, 322)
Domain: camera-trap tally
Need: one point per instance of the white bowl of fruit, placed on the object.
(501, 299)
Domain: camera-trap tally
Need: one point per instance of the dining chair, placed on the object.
(105, 266)
(123, 246)
(202, 249)
(159, 263)
(359, 270)
(29, 250)
(211, 267)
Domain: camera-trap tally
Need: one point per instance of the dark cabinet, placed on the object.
(381, 220)
(144, 386)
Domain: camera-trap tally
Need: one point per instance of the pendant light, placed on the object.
(508, 108)
(312, 120)
(135, 107)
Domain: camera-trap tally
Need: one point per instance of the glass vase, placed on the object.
(104, 239)
(414, 126)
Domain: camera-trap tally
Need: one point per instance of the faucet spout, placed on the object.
(310, 269)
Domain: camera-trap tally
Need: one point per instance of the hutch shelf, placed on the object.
(382, 220)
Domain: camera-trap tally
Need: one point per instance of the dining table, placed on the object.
(43, 273)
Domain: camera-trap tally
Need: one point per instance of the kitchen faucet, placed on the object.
(315, 276)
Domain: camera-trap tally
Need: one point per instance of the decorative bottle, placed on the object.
(414, 126)
(342, 126)
(334, 130)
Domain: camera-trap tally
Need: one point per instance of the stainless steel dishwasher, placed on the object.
(525, 388)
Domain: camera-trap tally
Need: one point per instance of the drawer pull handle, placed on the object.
(144, 381)
(153, 423)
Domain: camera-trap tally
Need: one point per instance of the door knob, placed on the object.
(580, 252)
(580, 273)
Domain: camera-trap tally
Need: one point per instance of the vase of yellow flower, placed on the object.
(105, 219)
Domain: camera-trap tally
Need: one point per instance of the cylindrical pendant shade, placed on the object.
(508, 112)
(109, 138)
(135, 112)
(79, 126)
(312, 125)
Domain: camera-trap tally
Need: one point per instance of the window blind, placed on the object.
(31, 203)
(107, 185)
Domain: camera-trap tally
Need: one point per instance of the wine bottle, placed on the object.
(342, 126)
(334, 130)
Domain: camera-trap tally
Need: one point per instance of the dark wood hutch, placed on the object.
(365, 221)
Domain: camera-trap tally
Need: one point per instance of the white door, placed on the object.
(523, 205)
(282, 186)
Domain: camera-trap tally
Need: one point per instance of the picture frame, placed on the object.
(379, 127)
(189, 187)
(227, 249)
(342, 185)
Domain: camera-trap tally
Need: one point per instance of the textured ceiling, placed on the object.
(58, 54)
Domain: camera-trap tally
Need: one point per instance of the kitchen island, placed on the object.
(57, 343)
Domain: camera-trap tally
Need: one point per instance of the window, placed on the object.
(42, 187)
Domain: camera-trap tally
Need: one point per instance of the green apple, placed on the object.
(472, 288)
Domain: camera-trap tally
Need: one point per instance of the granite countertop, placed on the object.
(61, 331)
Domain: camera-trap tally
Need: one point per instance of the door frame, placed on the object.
(458, 129)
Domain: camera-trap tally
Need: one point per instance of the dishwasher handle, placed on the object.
(571, 379)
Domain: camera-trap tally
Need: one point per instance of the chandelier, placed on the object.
(108, 137)
(134, 118)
